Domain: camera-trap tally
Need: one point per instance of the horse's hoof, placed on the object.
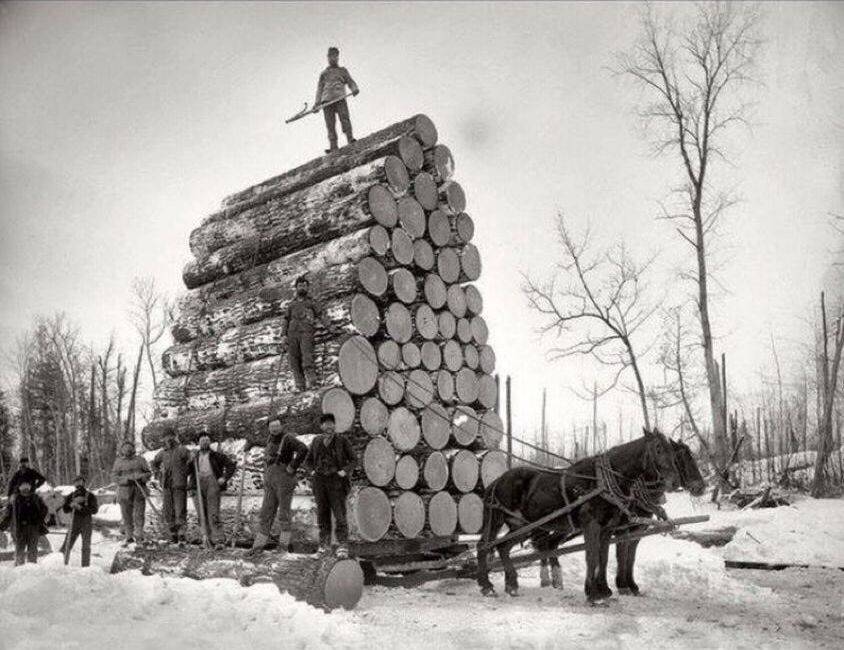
(545, 582)
(624, 591)
(557, 584)
(512, 591)
(489, 592)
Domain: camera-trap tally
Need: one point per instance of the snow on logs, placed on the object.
(404, 365)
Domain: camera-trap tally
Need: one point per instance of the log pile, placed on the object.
(381, 230)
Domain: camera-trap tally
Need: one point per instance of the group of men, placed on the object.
(26, 514)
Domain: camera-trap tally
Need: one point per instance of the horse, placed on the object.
(524, 495)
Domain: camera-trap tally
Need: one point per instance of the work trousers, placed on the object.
(278, 496)
(300, 347)
(175, 507)
(330, 494)
(210, 490)
(81, 526)
(341, 110)
(132, 509)
(26, 543)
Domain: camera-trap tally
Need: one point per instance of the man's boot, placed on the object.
(284, 542)
(332, 146)
(258, 545)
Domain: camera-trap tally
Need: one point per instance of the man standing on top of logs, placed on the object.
(332, 459)
(131, 474)
(83, 505)
(25, 473)
(297, 331)
(215, 469)
(332, 86)
(283, 455)
(172, 465)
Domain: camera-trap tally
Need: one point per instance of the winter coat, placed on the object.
(332, 84)
(222, 466)
(128, 470)
(327, 458)
(286, 450)
(25, 475)
(89, 503)
(28, 511)
(302, 315)
(172, 467)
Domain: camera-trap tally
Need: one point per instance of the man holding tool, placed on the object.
(331, 98)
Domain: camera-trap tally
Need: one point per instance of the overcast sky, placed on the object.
(122, 125)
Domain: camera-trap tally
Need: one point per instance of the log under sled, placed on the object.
(323, 581)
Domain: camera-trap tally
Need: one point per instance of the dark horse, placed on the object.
(523, 495)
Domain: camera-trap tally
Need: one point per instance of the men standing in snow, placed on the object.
(332, 459)
(332, 86)
(131, 474)
(172, 465)
(284, 454)
(25, 473)
(82, 505)
(28, 512)
(298, 325)
(214, 469)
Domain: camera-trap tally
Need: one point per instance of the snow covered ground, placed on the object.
(689, 601)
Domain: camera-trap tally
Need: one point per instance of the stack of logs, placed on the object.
(406, 369)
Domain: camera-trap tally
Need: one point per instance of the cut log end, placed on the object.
(448, 265)
(436, 426)
(465, 227)
(425, 191)
(436, 293)
(370, 513)
(397, 176)
(366, 318)
(423, 255)
(389, 355)
(409, 514)
(379, 240)
(439, 228)
(465, 425)
(411, 217)
(401, 246)
(410, 153)
(399, 323)
(411, 355)
(404, 285)
(442, 514)
(435, 471)
(491, 430)
(379, 461)
(470, 513)
(382, 206)
(493, 465)
(419, 391)
(391, 387)
(426, 323)
(372, 276)
(407, 473)
(358, 367)
(338, 403)
(373, 416)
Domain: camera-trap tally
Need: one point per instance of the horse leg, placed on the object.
(603, 588)
(592, 541)
(544, 576)
(491, 527)
(631, 561)
(556, 572)
(621, 567)
(511, 578)
(540, 544)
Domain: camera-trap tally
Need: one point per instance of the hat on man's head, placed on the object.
(79, 479)
(24, 459)
(333, 50)
(303, 278)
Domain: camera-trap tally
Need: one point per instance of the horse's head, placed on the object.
(659, 459)
(690, 476)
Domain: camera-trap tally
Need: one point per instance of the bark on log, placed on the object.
(379, 461)
(293, 233)
(423, 255)
(471, 356)
(404, 285)
(465, 426)
(357, 365)
(419, 390)
(463, 227)
(452, 198)
(411, 356)
(470, 513)
(452, 355)
(464, 330)
(431, 355)
(425, 190)
(486, 357)
(480, 331)
(401, 247)
(445, 386)
(369, 512)
(487, 391)
(491, 430)
(439, 163)
(447, 325)
(391, 387)
(403, 429)
(442, 514)
(448, 265)
(466, 385)
(320, 580)
(436, 426)
(407, 472)
(435, 471)
(374, 416)
(474, 300)
(435, 291)
(399, 323)
(411, 217)
(262, 220)
(456, 300)
(379, 240)
(463, 469)
(426, 323)
(409, 514)
(470, 262)
(389, 355)
(388, 141)
(493, 464)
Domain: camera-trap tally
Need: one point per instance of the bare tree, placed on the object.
(830, 366)
(150, 316)
(599, 309)
(694, 80)
(682, 382)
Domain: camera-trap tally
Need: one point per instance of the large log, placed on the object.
(466, 384)
(493, 464)
(423, 255)
(445, 386)
(419, 389)
(391, 387)
(411, 217)
(470, 513)
(339, 403)
(435, 471)
(373, 416)
(442, 514)
(320, 580)
(465, 425)
(385, 142)
(409, 514)
(370, 513)
(262, 220)
(294, 232)
(456, 300)
(425, 190)
(407, 472)
(491, 430)
(435, 291)
(357, 365)
(379, 461)
(463, 469)
(403, 429)
(436, 426)
(389, 355)
(439, 163)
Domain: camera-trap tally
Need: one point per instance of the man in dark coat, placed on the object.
(25, 473)
(83, 505)
(172, 466)
(297, 330)
(28, 512)
(284, 454)
(332, 459)
(332, 86)
(214, 469)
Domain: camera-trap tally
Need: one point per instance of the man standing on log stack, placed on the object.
(131, 474)
(83, 504)
(332, 88)
(297, 331)
(27, 474)
(332, 459)
(172, 466)
(215, 470)
(284, 454)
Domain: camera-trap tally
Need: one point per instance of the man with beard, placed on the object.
(28, 512)
(300, 318)
(83, 506)
(131, 474)
(172, 466)
(27, 474)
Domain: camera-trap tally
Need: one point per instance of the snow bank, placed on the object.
(48, 606)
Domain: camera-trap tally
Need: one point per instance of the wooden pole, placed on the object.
(497, 393)
(544, 430)
(508, 397)
(724, 404)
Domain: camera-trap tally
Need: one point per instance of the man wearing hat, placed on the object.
(27, 514)
(283, 454)
(214, 470)
(300, 318)
(83, 506)
(25, 473)
(172, 465)
(332, 86)
(131, 473)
